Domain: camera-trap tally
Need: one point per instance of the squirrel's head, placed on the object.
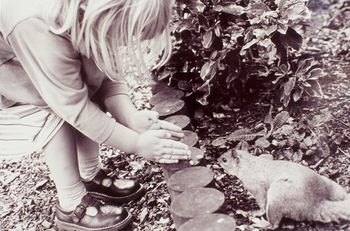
(229, 161)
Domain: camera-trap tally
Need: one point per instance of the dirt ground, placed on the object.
(28, 195)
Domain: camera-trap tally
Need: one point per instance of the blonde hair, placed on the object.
(102, 29)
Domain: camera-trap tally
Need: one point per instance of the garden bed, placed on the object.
(28, 195)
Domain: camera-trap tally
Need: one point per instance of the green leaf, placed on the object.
(286, 130)
(305, 65)
(280, 3)
(262, 143)
(205, 70)
(165, 74)
(289, 86)
(248, 34)
(266, 43)
(293, 39)
(306, 84)
(307, 141)
(315, 89)
(213, 69)
(196, 6)
(248, 45)
(208, 39)
(280, 119)
(285, 68)
(202, 20)
(205, 90)
(295, 11)
(271, 29)
(217, 31)
(326, 151)
(242, 134)
(242, 145)
(268, 118)
(315, 74)
(282, 28)
(236, 32)
(260, 33)
(220, 141)
(231, 9)
(297, 94)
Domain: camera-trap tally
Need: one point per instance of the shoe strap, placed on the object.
(101, 175)
(86, 201)
(79, 212)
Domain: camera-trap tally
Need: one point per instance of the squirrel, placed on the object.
(286, 189)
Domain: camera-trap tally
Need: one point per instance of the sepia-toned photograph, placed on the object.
(174, 115)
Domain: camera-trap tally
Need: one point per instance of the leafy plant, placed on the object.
(270, 126)
(243, 134)
(291, 139)
(225, 49)
(304, 79)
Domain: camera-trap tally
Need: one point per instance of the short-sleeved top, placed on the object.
(40, 67)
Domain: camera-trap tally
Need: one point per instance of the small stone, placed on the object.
(40, 184)
(46, 224)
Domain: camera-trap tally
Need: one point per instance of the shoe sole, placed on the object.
(65, 226)
(119, 200)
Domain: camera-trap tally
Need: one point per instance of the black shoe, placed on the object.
(111, 189)
(92, 215)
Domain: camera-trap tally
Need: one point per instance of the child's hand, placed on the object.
(142, 121)
(145, 120)
(156, 145)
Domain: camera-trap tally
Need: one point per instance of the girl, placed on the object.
(61, 65)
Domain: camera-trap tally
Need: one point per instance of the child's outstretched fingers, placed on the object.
(176, 155)
(176, 131)
(169, 126)
(156, 145)
(172, 144)
(174, 151)
(163, 134)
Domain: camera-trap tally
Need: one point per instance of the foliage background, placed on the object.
(243, 109)
(227, 51)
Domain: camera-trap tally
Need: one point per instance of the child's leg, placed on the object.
(88, 157)
(61, 158)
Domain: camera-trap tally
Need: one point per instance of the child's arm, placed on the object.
(123, 110)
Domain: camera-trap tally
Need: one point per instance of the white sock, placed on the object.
(70, 196)
(89, 167)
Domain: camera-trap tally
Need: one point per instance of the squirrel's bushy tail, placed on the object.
(330, 211)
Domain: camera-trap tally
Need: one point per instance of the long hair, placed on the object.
(114, 32)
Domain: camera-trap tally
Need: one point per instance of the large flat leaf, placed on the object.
(305, 65)
(297, 94)
(293, 39)
(315, 74)
(208, 38)
(262, 143)
(205, 70)
(242, 134)
(315, 89)
(289, 86)
(280, 119)
(231, 9)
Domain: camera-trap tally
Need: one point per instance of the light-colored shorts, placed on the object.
(25, 129)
